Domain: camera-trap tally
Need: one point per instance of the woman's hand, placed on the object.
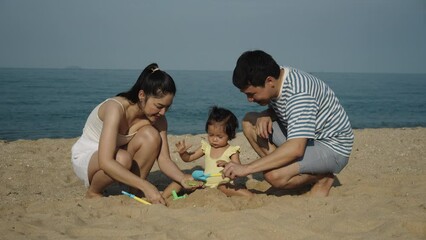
(189, 183)
(152, 194)
(181, 147)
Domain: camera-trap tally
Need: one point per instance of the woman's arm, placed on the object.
(111, 114)
(165, 163)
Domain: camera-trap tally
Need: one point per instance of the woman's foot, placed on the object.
(322, 187)
(90, 194)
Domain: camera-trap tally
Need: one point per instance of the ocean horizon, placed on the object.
(54, 103)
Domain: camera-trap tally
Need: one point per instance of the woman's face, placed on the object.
(154, 107)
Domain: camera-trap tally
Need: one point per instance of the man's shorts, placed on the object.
(318, 158)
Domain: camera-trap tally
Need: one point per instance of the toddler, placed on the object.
(220, 127)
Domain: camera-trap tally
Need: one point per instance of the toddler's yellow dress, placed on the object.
(211, 167)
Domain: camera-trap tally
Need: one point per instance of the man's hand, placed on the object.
(232, 170)
(264, 126)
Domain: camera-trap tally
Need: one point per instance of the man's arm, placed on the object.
(290, 151)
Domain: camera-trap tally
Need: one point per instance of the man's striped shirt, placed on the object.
(308, 108)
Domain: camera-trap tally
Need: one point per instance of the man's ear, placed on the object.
(270, 81)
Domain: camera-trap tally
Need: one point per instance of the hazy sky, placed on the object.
(314, 35)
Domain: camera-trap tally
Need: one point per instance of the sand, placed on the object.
(381, 194)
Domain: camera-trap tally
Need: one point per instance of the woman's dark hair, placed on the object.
(153, 81)
(253, 67)
(219, 115)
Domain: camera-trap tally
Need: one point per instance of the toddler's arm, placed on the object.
(186, 156)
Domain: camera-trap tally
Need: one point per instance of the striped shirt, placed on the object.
(308, 108)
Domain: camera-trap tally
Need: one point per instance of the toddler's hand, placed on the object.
(181, 147)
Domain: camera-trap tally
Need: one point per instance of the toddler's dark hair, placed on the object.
(219, 115)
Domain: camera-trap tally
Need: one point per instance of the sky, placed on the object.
(313, 35)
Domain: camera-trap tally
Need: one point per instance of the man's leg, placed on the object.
(323, 185)
(287, 177)
(260, 145)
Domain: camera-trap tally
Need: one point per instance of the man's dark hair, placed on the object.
(253, 67)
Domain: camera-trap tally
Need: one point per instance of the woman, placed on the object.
(126, 129)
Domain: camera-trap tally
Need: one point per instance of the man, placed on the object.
(304, 136)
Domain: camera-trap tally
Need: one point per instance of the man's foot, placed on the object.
(322, 187)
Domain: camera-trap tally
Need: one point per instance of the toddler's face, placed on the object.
(217, 136)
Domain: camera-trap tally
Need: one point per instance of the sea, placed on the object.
(55, 103)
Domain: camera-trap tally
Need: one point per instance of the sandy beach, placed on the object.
(381, 194)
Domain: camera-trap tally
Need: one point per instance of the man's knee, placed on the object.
(249, 122)
(250, 118)
(275, 179)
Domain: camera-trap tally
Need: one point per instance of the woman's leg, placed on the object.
(97, 177)
(145, 147)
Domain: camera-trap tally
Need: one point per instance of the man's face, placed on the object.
(259, 95)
